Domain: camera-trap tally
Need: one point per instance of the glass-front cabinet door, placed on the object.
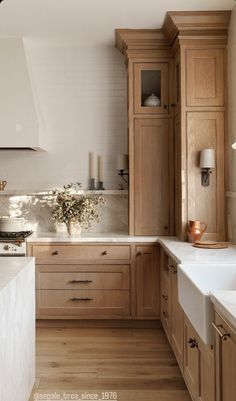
(151, 88)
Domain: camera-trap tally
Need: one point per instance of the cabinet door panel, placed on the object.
(206, 130)
(176, 317)
(147, 281)
(191, 360)
(150, 78)
(152, 177)
(205, 77)
(225, 357)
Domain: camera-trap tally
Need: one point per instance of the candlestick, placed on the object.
(92, 165)
(100, 168)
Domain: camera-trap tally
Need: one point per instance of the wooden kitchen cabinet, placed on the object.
(147, 281)
(81, 281)
(150, 132)
(151, 78)
(205, 77)
(171, 311)
(198, 366)
(152, 179)
(165, 292)
(225, 359)
(176, 316)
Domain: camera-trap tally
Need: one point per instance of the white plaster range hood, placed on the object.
(20, 125)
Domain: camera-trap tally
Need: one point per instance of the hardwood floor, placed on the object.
(134, 364)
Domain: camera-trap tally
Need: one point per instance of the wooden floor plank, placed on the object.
(138, 364)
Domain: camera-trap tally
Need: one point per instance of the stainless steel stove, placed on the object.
(13, 243)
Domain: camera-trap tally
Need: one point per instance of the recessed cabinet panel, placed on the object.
(151, 88)
(147, 281)
(205, 77)
(205, 130)
(152, 177)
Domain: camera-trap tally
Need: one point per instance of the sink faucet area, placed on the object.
(196, 282)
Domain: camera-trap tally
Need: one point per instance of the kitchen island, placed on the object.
(17, 328)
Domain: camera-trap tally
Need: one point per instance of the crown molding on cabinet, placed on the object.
(153, 43)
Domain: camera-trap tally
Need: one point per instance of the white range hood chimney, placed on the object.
(20, 127)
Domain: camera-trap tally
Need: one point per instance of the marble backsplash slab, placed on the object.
(37, 213)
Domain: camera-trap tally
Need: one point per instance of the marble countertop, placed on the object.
(10, 268)
(181, 252)
(184, 252)
(225, 303)
(89, 237)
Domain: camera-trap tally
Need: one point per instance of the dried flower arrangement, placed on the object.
(71, 207)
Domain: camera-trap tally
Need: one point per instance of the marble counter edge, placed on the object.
(118, 238)
(18, 263)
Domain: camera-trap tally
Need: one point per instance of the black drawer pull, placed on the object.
(55, 253)
(80, 281)
(74, 299)
(104, 253)
(192, 343)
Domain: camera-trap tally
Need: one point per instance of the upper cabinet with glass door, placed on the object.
(151, 88)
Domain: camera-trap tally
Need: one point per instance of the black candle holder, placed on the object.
(100, 186)
(92, 186)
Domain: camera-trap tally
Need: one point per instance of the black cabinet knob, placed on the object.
(55, 253)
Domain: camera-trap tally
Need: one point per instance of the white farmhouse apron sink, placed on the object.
(195, 284)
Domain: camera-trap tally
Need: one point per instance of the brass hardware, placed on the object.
(165, 297)
(55, 253)
(80, 299)
(172, 268)
(80, 281)
(223, 336)
(192, 343)
(139, 253)
(104, 253)
(2, 185)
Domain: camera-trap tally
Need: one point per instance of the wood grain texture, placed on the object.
(225, 357)
(152, 177)
(205, 77)
(81, 252)
(206, 130)
(138, 364)
(148, 281)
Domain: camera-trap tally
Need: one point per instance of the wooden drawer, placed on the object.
(82, 303)
(81, 252)
(113, 277)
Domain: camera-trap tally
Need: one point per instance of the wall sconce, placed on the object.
(207, 163)
(123, 167)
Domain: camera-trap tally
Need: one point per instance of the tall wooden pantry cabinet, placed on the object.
(149, 66)
(184, 66)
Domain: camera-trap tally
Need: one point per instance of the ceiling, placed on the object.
(91, 22)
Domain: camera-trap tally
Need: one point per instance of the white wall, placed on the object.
(232, 126)
(81, 93)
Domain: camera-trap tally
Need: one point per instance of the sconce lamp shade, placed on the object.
(234, 146)
(207, 159)
(122, 162)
